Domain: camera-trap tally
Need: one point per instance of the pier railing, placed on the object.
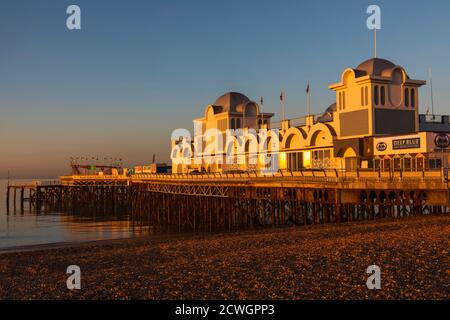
(333, 175)
(32, 184)
(325, 175)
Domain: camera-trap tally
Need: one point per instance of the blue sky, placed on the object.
(139, 69)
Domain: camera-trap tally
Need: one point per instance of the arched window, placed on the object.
(250, 110)
(383, 96)
(238, 123)
(233, 124)
(367, 96)
(343, 100)
(375, 95)
(340, 100)
(413, 98)
(406, 97)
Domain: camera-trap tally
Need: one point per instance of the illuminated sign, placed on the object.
(381, 146)
(442, 140)
(408, 143)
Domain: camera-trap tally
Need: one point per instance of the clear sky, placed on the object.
(139, 69)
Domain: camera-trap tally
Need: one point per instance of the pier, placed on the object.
(36, 194)
(233, 201)
(22, 189)
(216, 202)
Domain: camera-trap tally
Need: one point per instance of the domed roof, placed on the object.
(230, 100)
(332, 108)
(327, 116)
(376, 66)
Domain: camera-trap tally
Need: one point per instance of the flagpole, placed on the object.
(431, 91)
(262, 113)
(308, 99)
(375, 41)
(309, 103)
(262, 120)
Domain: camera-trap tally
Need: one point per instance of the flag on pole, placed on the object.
(308, 99)
(283, 112)
(262, 114)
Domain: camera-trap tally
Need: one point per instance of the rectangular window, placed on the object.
(406, 97)
(413, 98)
(387, 164)
(377, 164)
(362, 96)
(367, 96)
(397, 163)
(407, 164)
(299, 156)
(294, 161)
(435, 163)
(315, 155)
(375, 95)
(321, 158)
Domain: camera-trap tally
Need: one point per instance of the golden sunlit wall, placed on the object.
(283, 162)
(307, 159)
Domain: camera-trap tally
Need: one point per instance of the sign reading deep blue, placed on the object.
(409, 143)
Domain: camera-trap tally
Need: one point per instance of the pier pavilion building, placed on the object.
(374, 124)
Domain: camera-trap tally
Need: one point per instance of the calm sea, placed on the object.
(19, 229)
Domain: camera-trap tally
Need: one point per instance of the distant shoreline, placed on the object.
(59, 245)
(156, 237)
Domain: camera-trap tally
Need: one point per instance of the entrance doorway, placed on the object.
(350, 160)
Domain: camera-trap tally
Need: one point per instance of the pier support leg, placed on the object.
(7, 199)
(22, 190)
(15, 197)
